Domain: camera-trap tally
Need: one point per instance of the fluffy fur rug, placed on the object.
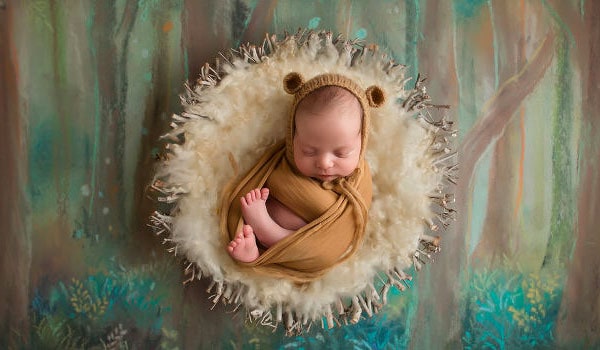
(238, 109)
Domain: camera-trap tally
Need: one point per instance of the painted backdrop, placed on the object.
(86, 88)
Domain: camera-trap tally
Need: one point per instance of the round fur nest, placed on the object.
(239, 108)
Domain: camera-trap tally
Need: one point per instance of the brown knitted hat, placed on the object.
(294, 84)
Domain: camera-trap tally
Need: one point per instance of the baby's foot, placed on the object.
(243, 247)
(254, 209)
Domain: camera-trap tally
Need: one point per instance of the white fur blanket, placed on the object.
(236, 111)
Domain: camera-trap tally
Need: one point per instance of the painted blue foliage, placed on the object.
(85, 309)
(511, 310)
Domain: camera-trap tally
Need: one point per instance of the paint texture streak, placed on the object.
(122, 38)
(522, 133)
(241, 16)
(62, 149)
(521, 174)
(495, 45)
(96, 110)
(413, 34)
(259, 22)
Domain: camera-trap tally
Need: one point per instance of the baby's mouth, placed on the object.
(326, 177)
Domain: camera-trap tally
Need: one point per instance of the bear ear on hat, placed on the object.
(375, 96)
(292, 82)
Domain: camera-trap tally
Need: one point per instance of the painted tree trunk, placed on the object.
(15, 250)
(501, 227)
(581, 301)
(440, 310)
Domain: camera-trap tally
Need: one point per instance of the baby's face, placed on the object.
(327, 140)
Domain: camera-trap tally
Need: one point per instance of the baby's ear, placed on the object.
(292, 82)
(375, 96)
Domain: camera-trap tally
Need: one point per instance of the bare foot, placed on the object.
(243, 247)
(254, 210)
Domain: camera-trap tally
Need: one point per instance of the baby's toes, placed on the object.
(264, 193)
(247, 231)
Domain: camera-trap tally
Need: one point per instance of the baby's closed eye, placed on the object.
(344, 153)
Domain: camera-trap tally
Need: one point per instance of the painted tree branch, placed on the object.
(501, 108)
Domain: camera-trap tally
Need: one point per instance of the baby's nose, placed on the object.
(324, 162)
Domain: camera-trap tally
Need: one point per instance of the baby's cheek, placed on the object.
(350, 165)
(303, 166)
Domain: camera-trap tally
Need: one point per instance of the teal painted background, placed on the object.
(86, 88)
